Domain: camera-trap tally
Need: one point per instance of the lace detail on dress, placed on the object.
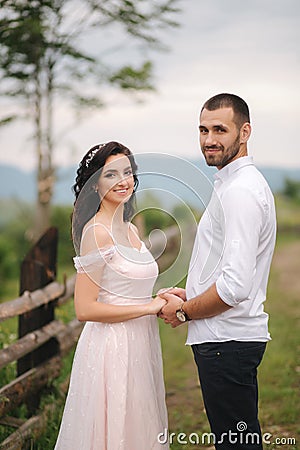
(93, 260)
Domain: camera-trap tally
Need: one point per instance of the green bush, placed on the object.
(292, 189)
(61, 219)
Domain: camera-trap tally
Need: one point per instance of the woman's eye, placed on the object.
(109, 175)
(128, 172)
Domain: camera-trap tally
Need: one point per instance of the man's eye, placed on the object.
(202, 131)
(220, 130)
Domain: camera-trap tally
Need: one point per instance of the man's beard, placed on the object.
(223, 157)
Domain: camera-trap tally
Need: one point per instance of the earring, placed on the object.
(95, 190)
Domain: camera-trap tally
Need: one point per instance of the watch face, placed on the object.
(180, 316)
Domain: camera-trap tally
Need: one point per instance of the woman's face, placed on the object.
(116, 181)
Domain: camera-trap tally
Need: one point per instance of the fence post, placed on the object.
(37, 270)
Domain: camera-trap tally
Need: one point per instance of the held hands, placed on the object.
(179, 292)
(174, 298)
(159, 302)
(156, 305)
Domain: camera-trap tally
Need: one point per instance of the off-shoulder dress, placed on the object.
(116, 397)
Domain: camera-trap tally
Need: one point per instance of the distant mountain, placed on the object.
(16, 183)
(171, 179)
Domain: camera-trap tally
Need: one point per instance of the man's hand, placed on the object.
(174, 290)
(168, 312)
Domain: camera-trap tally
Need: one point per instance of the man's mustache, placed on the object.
(213, 147)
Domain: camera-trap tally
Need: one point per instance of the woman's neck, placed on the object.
(111, 214)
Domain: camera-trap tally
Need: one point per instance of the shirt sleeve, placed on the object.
(243, 220)
(94, 260)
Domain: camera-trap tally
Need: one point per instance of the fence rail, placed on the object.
(43, 341)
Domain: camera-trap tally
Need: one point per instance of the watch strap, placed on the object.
(184, 313)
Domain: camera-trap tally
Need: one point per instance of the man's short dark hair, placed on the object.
(239, 106)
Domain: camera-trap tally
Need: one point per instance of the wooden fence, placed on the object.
(42, 340)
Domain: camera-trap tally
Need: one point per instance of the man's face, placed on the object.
(219, 137)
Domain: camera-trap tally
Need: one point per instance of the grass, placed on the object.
(288, 211)
(278, 374)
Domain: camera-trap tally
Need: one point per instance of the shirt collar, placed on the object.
(224, 173)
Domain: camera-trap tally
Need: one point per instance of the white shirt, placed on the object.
(233, 248)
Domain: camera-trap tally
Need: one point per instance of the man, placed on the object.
(227, 279)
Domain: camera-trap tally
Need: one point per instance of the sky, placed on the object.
(247, 48)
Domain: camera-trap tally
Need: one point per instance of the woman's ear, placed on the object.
(245, 132)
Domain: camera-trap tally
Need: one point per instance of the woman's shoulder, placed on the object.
(95, 235)
(91, 261)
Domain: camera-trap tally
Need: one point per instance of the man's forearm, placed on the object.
(207, 304)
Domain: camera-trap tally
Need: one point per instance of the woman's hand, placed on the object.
(156, 305)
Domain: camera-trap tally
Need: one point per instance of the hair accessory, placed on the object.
(92, 154)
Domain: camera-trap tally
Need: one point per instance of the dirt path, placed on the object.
(286, 266)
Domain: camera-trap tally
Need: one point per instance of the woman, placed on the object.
(116, 398)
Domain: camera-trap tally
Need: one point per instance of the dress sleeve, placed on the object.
(94, 260)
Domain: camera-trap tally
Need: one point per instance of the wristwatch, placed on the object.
(182, 315)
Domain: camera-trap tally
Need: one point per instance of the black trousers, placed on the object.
(228, 379)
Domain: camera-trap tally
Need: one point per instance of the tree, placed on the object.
(41, 58)
(291, 189)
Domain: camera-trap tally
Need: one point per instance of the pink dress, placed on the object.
(116, 398)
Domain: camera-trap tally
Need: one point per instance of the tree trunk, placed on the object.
(44, 148)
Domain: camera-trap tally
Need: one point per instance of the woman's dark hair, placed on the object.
(87, 201)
